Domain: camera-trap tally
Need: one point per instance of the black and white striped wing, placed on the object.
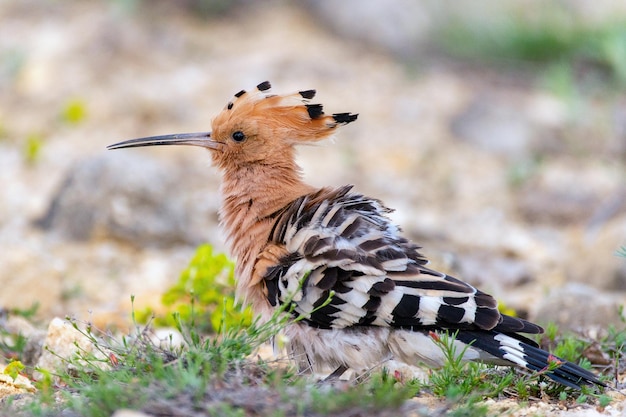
(347, 265)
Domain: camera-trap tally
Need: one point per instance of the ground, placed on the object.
(509, 176)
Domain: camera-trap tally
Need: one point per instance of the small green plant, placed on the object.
(575, 348)
(74, 111)
(13, 369)
(505, 309)
(566, 345)
(12, 344)
(204, 292)
(458, 379)
(380, 391)
(3, 130)
(610, 349)
(571, 349)
(32, 148)
(553, 41)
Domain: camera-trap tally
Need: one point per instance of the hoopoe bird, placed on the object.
(334, 256)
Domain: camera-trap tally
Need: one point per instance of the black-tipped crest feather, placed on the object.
(307, 94)
(345, 117)
(264, 86)
(315, 110)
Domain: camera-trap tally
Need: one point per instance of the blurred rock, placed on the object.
(204, 8)
(592, 256)
(129, 413)
(167, 338)
(495, 125)
(562, 192)
(17, 325)
(64, 345)
(402, 29)
(578, 307)
(620, 276)
(560, 207)
(612, 207)
(492, 270)
(125, 196)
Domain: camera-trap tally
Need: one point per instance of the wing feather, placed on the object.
(354, 255)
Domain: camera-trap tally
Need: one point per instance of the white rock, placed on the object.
(129, 413)
(65, 347)
(168, 338)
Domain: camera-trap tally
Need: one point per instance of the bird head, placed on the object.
(257, 127)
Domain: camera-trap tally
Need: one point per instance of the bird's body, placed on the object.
(333, 255)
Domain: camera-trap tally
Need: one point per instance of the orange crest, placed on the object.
(288, 117)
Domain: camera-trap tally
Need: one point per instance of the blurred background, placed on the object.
(497, 130)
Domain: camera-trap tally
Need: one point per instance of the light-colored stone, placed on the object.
(65, 347)
(124, 196)
(495, 124)
(18, 325)
(167, 338)
(129, 413)
(579, 306)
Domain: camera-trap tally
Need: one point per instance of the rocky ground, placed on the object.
(511, 186)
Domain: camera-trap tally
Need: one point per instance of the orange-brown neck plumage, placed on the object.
(251, 195)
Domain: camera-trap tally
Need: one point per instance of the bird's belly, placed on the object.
(322, 350)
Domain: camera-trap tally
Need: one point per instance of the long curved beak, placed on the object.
(202, 139)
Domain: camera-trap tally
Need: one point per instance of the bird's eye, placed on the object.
(238, 136)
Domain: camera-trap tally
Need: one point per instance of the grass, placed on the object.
(563, 46)
(220, 374)
(206, 376)
(457, 380)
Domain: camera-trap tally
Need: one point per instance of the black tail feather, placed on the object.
(523, 354)
(566, 373)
